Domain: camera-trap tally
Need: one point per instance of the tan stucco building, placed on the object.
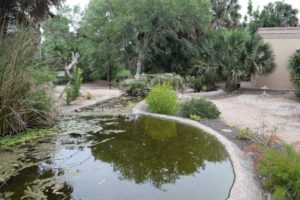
(284, 42)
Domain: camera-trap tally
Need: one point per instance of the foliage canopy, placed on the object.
(278, 14)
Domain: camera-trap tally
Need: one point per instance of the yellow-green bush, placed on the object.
(162, 99)
(245, 134)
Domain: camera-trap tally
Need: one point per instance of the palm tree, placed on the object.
(259, 56)
(225, 13)
(238, 54)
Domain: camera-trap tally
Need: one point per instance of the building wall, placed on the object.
(283, 49)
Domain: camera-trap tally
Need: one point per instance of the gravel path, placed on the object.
(270, 114)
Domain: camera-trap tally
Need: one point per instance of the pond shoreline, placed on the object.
(245, 185)
(33, 134)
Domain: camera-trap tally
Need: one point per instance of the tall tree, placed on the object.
(278, 14)
(155, 35)
(61, 41)
(225, 13)
(29, 11)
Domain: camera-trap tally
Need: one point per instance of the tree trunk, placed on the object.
(139, 65)
(75, 57)
(231, 86)
(140, 50)
(68, 68)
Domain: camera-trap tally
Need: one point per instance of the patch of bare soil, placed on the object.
(90, 94)
(265, 115)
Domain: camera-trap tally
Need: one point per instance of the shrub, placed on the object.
(200, 107)
(176, 81)
(135, 88)
(294, 67)
(162, 99)
(281, 172)
(73, 89)
(245, 134)
(24, 102)
(201, 83)
(203, 76)
(89, 96)
(69, 94)
(195, 117)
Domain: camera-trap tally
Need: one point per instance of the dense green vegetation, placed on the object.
(162, 99)
(24, 99)
(277, 14)
(60, 42)
(294, 67)
(28, 12)
(281, 172)
(201, 108)
(117, 39)
(225, 13)
(150, 36)
(237, 54)
(73, 89)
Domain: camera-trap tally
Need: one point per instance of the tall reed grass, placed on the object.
(24, 102)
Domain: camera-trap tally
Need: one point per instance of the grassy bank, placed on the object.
(29, 135)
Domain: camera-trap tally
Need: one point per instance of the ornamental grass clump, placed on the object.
(24, 100)
(162, 99)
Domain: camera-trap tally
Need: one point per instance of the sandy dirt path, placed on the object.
(270, 114)
(99, 91)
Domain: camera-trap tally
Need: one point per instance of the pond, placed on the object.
(120, 157)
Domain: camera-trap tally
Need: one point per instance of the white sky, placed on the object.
(244, 3)
(81, 3)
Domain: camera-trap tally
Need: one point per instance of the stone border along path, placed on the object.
(245, 186)
(87, 103)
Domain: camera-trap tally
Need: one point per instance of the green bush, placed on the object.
(123, 74)
(135, 88)
(162, 99)
(294, 67)
(73, 89)
(200, 107)
(70, 94)
(245, 134)
(281, 172)
(203, 77)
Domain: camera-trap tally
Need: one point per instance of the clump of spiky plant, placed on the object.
(24, 102)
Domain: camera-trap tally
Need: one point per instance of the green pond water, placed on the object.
(119, 158)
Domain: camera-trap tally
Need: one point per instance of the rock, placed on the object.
(226, 130)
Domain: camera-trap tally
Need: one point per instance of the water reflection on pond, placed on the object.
(126, 158)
